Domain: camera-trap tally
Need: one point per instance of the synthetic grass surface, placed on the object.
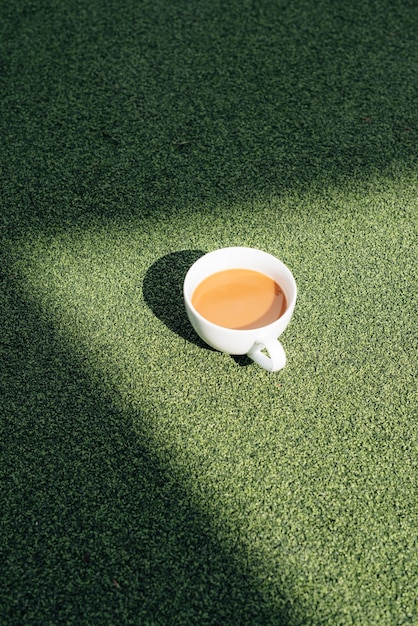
(145, 478)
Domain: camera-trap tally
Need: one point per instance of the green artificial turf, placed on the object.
(145, 478)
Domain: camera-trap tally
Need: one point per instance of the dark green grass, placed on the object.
(146, 479)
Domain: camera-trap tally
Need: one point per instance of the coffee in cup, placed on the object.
(241, 299)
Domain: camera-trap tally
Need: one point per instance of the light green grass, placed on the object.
(145, 478)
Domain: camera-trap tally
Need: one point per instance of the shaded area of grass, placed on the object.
(144, 107)
(94, 529)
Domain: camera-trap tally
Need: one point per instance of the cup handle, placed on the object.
(276, 359)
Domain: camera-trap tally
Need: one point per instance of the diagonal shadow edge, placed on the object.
(90, 512)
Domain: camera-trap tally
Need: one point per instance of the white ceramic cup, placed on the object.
(253, 342)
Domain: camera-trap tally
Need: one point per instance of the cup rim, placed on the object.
(266, 327)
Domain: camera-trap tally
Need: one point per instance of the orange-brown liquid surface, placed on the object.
(240, 299)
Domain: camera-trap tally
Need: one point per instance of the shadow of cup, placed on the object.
(163, 292)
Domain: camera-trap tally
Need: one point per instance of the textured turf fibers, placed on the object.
(147, 479)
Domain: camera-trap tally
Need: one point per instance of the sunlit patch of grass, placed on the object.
(310, 473)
